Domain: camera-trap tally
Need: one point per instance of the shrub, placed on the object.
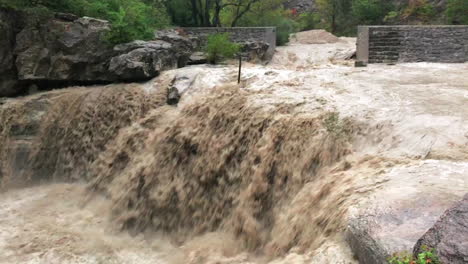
(420, 9)
(284, 28)
(428, 255)
(457, 12)
(308, 21)
(370, 12)
(219, 46)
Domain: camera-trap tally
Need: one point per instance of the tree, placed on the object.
(241, 8)
(370, 12)
(130, 19)
(333, 12)
(457, 12)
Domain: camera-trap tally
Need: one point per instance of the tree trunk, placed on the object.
(194, 12)
(206, 17)
(216, 18)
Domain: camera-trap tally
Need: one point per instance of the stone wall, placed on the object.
(389, 44)
(239, 35)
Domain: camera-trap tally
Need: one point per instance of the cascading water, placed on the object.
(219, 164)
(262, 172)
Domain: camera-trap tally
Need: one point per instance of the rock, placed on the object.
(9, 27)
(254, 50)
(449, 236)
(197, 58)
(60, 50)
(66, 17)
(182, 44)
(395, 218)
(173, 96)
(68, 50)
(142, 60)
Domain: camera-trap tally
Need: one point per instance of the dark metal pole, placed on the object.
(240, 69)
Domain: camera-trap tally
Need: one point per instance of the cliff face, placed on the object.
(66, 50)
(9, 27)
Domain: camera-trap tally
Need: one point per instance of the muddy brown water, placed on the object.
(261, 172)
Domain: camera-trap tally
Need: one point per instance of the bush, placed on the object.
(308, 21)
(428, 255)
(284, 28)
(420, 9)
(457, 12)
(370, 12)
(219, 46)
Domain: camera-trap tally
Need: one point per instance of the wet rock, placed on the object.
(173, 96)
(197, 58)
(449, 236)
(254, 50)
(60, 50)
(66, 50)
(396, 217)
(141, 60)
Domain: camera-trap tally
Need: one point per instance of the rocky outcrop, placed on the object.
(66, 49)
(9, 27)
(140, 60)
(449, 236)
(254, 50)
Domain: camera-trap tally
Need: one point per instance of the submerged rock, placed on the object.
(173, 96)
(197, 58)
(449, 236)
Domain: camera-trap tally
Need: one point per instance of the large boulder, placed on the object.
(449, 236)
(254, 50)
(395, 217)
(65, 50)
(141, 60)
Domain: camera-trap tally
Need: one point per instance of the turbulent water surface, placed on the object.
(262, 172)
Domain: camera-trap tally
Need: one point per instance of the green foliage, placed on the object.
(370, 12)
(130, 19)
(180, 13)
(284, 28)
(391, 17)
(419, 10)
(267, 13)
(457, 12)
(427, 255)
(219, 46)
(308, 21)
